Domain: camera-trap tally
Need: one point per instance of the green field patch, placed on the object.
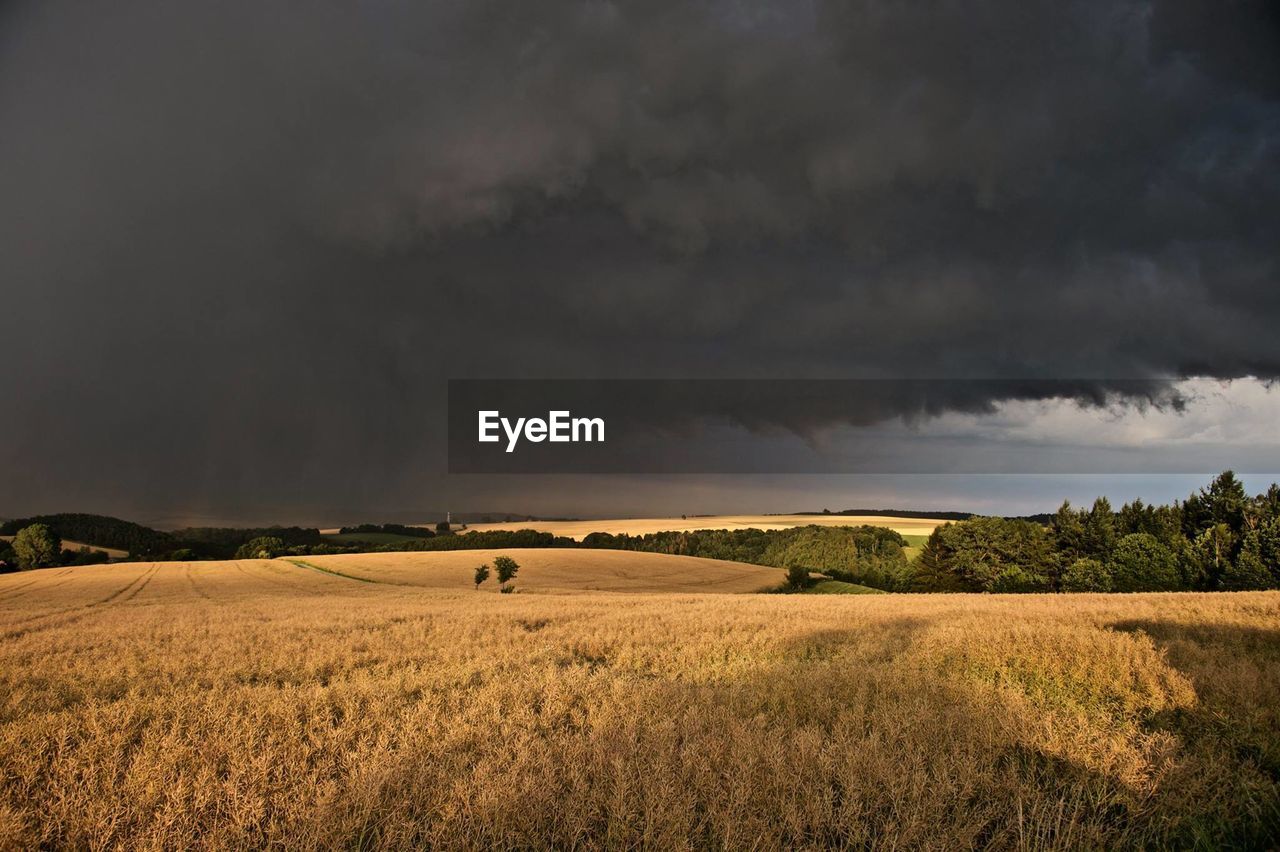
(839, 587)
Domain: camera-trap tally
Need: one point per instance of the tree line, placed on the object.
(867, 555)
(191, 543)
(395, 529)
(217, 543)
(270, 546)
(1219, 538)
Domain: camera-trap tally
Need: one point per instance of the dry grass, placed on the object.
(640, 526)
(248, 704)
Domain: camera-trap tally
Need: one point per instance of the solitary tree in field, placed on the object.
(36, 546)
(507, 568)
(482, 574)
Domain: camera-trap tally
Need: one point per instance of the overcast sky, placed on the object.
(246, 243)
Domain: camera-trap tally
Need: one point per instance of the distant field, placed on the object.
(640, 526)
(915, 542)
(256, 704)
(557, 570)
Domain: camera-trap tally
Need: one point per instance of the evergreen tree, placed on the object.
(929, 571)
(1099, 537)
(1257, 565)
(1068, 532)
(1215, 551)
(1267, 504)
(1223, 502)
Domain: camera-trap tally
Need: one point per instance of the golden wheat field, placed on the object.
(261, 704)
(555, 570)
(641, 526)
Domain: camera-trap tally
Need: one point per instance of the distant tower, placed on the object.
(448, 517)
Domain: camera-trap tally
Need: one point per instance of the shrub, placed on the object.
(798, 577)
(1012, 579)
(1086, 575)
(1140, 563)
(482, 574)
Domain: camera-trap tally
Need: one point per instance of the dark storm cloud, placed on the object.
(245, 243)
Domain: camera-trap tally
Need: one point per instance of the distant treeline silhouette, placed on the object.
(897, 513)
(393, 529)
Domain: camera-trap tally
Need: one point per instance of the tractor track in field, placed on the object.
(19, 591)
(13, 592)
(195, 587)
(279, 583)
(304, 564)
(78, 613)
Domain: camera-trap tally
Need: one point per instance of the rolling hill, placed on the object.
(555, 570)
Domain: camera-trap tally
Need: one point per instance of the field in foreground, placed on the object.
(255, 703)
(641, 526)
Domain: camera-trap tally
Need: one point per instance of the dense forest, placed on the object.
(97, 530)
(1219, 538)
(152, 545)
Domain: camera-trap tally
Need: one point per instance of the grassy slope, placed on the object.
(255, 703)
(838, 587)
(915, 542)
